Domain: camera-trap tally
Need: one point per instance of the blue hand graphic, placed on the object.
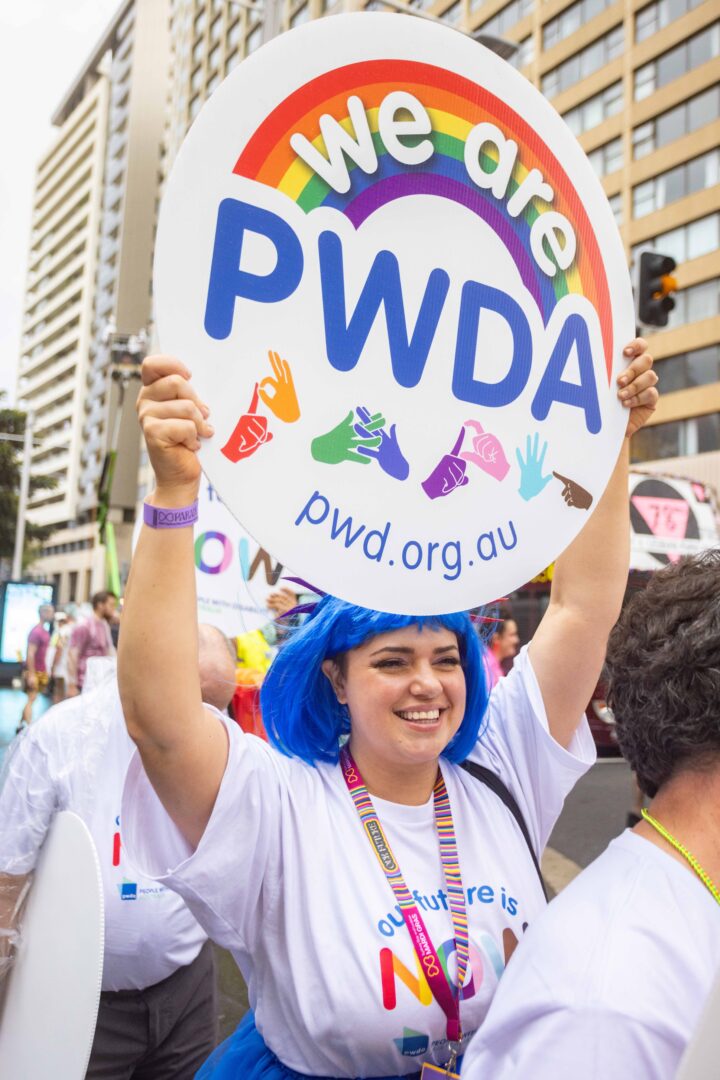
(388, 454)
(532, 480)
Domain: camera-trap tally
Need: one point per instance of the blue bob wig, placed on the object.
(301, 713)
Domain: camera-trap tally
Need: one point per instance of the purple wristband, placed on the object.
(160, 517)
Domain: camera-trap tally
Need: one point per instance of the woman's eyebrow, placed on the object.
(407, 650)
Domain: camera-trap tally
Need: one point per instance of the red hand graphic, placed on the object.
(251, 431)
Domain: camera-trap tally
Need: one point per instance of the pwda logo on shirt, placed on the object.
(128, 889)
(412, 1043)
(445, 290)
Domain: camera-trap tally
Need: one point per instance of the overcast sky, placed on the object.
(43, 43)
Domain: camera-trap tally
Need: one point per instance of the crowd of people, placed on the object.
(60, 645)
(372, 865)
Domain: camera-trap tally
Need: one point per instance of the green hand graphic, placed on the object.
(342, 442)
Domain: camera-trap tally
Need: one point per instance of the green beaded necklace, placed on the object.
(702, 874)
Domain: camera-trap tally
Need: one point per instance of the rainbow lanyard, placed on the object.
(443, 992)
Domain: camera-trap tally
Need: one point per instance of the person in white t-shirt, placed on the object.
(157, 1015)
(357, 887)
(612, 979)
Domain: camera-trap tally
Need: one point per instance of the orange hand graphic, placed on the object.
(284, 402)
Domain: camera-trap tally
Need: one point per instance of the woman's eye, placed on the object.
(390, 662)
(450, 661)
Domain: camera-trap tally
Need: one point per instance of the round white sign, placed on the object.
(402, 293)
(48, 1018)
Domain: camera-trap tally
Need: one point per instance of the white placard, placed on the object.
(402, 293)
(700, 1060)
(48, 1021)
(670, 517)
(233, 575)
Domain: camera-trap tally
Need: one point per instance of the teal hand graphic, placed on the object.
(532, 480)
(342, 443)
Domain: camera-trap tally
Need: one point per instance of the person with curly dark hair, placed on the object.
(612, 978)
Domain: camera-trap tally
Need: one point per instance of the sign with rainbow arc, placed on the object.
(402, 293)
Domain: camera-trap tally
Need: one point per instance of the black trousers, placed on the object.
(163, 1032)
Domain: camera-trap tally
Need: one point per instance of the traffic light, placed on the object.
(655, 285)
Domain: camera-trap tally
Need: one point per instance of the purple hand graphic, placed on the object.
(487, 453)
(448, 474)
(388, 454)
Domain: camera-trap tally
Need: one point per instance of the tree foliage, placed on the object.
(12, 422)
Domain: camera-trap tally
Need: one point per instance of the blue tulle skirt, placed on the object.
(244, 1056)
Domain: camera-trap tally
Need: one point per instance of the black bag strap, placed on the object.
(493, 781)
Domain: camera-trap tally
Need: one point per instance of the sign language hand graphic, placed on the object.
(343, 444)
(250, 432)
(284, 402)
(388, 454)
(448, 474)
(487, 453)
(532, 480)
(573, 494)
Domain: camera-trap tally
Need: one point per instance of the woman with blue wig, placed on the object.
(369, 886)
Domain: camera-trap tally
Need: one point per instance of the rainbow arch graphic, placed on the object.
(455, 105)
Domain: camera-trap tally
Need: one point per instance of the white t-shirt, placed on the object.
(76, 758)
(611, 980)
(285, 877)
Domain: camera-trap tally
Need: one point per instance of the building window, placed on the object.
(506, 18)
(571, 19)
(72, 587)
(300, 16)
(686, 117)
(200, 24)
(197, 53)
(234, 35)
(680, 438)
(697, 368)
(214, 58)
(254, 40)
(607, 158)
(615, 202)
(690, 241)
(525, 53)
(697, 302)
(453, 15)
(216, 29)
(197, 79)
(661, 13)
(694, 175)
(584, 63)
(232, 61)
(685, 57)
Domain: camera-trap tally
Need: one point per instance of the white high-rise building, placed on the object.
(89, 291)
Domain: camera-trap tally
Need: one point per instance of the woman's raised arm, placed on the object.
(183, 747)
(590, 577)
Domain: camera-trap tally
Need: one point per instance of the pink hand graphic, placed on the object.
(487, 453)
(251, 431)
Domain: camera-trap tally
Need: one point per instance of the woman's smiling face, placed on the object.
(405, 691)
